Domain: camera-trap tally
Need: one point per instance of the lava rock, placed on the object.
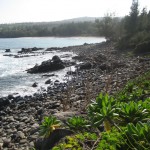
(48, 81)
(7, 50)
(48, 75)
(4, 102)
(25, 50)
(34, 84)
(56, 135)
(49, 65)
(86, 66)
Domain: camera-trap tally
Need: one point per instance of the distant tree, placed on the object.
(132, 20)
(105, 27)
(109, 27)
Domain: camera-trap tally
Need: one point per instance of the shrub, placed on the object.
(77, 123)
(102, 111)
(48, 126)
(138, 135)
(132, 112)
(143, 47)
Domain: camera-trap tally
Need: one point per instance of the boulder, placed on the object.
(86, 65)
(7, 50)
(4, 102)
(63, 116)
(36, 49)
(78, 57)
(118, 64)
(34, 84)
(53, 49)
(29, 50)
(104, 66)
(49, 65)
(25, 50)
(48, 75)
(85, 44)
(48, 81)
(55, 137)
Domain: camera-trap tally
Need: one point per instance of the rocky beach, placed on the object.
(101, 69)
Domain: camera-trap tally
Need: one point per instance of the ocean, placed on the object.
(13, 75)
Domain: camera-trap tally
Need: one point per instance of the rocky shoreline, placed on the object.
(103, 69)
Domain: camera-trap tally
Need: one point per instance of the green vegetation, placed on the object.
(131, 32)
(49, 124)
(136, 33)
(118, 122)
(102, 111)
(78, 141)
(110, 27)
(77, 123)
(48, 29)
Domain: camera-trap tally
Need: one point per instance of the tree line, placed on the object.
(86, 28)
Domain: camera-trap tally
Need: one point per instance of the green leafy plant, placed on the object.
(79, 141)
(132, 112)
(111, 140)
(77, 123)
(49, 124)
(146, 105)
(138, 135)
(103, 110)
(136, 89)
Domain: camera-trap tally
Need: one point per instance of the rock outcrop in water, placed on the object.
(29, 50)
(7, 50)
(49, 65)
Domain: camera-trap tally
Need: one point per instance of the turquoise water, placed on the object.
(44, 42)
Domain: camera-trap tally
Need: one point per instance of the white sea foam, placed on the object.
(13, 76)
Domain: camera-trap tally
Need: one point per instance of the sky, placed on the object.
(14, 11)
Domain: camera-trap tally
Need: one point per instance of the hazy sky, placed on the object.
(12, 11)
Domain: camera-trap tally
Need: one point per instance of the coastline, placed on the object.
(103, 70)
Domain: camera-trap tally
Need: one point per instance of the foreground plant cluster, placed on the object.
(119, 122)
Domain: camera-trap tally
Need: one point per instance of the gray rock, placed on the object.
(23, 141)
(48, 81)
(63, 116)
(6, 142)
(7, 50)
(21, 135)
(1, 143)
(49, 65)
(87, 65)
(10, 118)
(34, 84)
(56, 135)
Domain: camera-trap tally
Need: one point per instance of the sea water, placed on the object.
(13, 75)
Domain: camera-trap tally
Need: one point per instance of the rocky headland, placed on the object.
(103, 69)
